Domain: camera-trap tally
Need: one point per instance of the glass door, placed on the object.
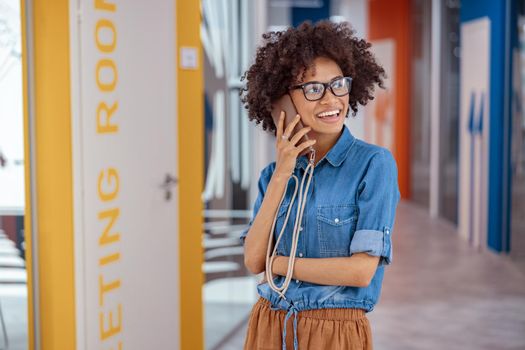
(13, 276)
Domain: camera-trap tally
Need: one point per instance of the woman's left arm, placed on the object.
(355, 271)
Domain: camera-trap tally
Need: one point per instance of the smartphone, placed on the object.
(285, 104)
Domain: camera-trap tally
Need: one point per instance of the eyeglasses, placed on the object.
(314, 90)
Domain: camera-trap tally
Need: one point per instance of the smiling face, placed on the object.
(327, 115)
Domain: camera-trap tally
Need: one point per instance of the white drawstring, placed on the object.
(281, 290)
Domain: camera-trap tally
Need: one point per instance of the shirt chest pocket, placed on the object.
(335, 228)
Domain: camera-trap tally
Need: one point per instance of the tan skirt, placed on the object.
(333, 329)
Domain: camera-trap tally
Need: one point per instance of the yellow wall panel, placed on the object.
(54, 227)
(190, 99)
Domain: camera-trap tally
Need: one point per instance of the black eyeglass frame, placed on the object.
(325, 87)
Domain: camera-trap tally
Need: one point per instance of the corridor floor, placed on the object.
(439, 293)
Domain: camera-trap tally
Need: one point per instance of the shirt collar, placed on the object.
(337, 153)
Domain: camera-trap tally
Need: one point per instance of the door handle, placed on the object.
(169, 182)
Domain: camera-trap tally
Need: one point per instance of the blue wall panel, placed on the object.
(500, 117)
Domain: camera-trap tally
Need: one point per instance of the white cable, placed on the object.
(281, 290)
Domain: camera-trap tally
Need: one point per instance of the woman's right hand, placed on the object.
(288, 149)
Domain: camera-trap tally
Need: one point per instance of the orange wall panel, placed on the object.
(390, 19)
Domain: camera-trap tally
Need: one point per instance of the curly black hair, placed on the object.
(287, 54)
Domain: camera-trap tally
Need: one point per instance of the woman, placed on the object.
(344, 240)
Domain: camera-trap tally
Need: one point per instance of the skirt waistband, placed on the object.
(336, 314)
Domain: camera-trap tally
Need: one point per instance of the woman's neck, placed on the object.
(324, 144)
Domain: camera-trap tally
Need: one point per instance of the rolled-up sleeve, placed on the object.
(377, 199)
(264, 179)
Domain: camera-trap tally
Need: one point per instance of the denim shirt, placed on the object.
(350, 209)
